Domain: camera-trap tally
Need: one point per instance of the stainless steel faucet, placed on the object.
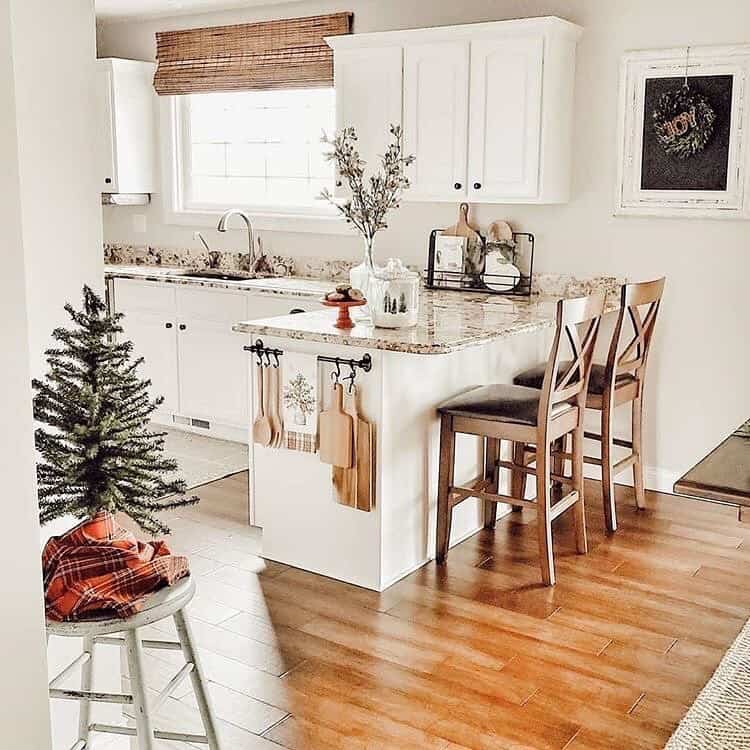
(222, 227)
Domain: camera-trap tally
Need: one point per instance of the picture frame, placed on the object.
(714, 180)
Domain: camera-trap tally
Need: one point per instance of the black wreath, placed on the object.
(676, 105)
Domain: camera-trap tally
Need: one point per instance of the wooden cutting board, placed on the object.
(365, 441)
(345, 480)
(336, 430)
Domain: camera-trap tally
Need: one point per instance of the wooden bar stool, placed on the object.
(619, 381)
(168, 602)
(526, 415)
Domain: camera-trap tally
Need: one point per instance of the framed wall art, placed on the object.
(684, 123)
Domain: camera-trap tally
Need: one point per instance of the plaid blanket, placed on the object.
(99, 569)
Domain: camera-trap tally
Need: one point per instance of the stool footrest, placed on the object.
(200, 739)
(172, 685)
(85, 695)
(79, 745)
(115, 640)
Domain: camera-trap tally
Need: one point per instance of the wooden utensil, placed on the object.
(273, 400)
(345, 480)
(462, 228)
(365, 461)
(336, 432)
(262, 430)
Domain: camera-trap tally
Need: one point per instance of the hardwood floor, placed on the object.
(474, 654)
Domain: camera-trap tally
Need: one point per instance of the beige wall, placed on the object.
(701, 364)
(52, 234)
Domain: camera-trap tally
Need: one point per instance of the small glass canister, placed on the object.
(394, 296)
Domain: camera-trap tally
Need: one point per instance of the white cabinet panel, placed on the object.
(506, 105)
(154, 338)
(436, 82)
(368, 97)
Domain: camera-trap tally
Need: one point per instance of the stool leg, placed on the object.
(637, 439)
(137, 676)
(491, 455)
(445, 480)
(543, 520)
(579, 509)
(608, 479)
(518, 478)
(87, 676)
(200, 684)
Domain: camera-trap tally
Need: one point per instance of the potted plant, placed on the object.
(371, 198)
(97, 451)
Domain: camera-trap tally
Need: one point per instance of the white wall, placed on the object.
(700, 366)
(23, 699)
(52, 235)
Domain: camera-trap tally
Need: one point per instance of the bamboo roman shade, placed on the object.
(289, 53)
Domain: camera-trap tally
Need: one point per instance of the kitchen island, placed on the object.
(462, 340)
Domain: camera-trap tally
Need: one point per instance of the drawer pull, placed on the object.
(296, 311)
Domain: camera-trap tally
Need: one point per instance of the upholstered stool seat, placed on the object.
(167, 602)
(534, 376)
(500, 403)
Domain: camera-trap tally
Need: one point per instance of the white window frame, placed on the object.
(322, 219)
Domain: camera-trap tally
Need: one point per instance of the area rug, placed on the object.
(203, 459)
(720, 717)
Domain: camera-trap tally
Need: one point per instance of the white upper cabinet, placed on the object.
(128, 142)
(487, 107)
(506, 108)
(436, 109)
(368, 96)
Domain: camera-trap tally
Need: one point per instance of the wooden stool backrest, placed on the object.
(632, 359)
(577, 322)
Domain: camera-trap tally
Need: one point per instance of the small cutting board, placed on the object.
(336, 430)
(345, 480)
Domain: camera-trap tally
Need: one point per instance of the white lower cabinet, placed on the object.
(191, 355)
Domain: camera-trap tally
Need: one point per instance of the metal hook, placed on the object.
(335, 376)
(276, 357)
(351, 378)
(268, 357)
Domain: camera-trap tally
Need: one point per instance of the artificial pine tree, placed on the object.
(100, 454)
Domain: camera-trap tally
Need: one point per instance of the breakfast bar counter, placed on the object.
(462, 340)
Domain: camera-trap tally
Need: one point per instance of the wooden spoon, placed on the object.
(273, 399)
(262, 430)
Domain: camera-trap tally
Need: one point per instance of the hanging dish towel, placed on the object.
(299, 396)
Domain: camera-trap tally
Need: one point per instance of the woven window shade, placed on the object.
(285, 54)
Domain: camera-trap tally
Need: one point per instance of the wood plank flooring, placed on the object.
(476, 654)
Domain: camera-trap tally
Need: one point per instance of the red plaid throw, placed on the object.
(99, 569)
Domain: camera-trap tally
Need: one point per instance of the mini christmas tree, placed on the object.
(100, 453)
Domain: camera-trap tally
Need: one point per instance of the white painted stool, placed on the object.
(169, 601)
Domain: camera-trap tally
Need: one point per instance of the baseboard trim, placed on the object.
(654, 477)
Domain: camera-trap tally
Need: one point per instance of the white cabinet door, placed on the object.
(436, 82)
(150, 324)
(505, 105)
(213, 365)
(107, 163)
(368, 97)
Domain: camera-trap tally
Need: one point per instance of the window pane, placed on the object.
(258, 148)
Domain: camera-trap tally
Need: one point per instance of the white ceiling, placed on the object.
(124, 9)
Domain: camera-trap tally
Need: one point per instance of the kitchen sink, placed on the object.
(216, 273)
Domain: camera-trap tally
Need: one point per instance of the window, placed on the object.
(255, 149)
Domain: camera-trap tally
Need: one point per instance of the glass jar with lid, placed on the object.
(394, 296)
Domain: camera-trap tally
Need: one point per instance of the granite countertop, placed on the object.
(448, 321)
(293, 286)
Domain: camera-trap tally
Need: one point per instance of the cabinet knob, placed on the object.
(458, 186)
(477, 186)
(168, 325)
(339, 183)
(108, 180)
(183, 327)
